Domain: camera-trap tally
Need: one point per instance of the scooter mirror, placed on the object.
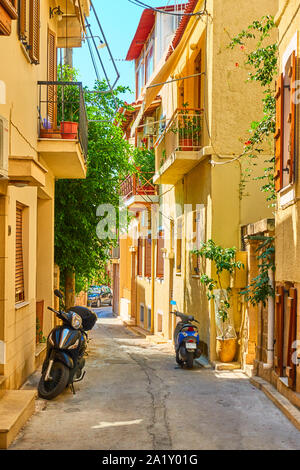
(173, 302)
(58, 294)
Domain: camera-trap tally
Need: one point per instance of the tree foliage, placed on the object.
(77, 247)
(262, 60)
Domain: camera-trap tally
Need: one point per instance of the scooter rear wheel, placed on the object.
(52, 388)
(190, 360)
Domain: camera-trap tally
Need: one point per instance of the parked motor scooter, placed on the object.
(186, 339)
(66, 347)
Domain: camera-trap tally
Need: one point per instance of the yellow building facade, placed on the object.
(203, 97)
(282, 370)
(34, 153)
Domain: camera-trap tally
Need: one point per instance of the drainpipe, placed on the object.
(271, 315)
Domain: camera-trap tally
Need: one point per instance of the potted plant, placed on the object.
(68, 103)
(188, 129)
(47, 132)
(223, 260)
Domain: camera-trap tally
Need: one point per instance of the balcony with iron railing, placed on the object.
(177, 148)
(63, 128)
(138, 188)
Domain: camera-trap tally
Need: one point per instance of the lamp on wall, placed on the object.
(56, 11)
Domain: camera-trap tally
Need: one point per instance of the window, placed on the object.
(148, 250)
(198, 236)
(19, 274)
(142, 313)
(198, 81)
(8, 12)
(179, 234)
(29, 28)
(149, 61)
(159, 255)
(140, 76)
(149, 318)
(285, 147)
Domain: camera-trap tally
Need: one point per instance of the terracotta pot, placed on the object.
(69, 130)
(186, 144)
(226, 349)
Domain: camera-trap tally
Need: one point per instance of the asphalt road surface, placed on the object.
(135, 397)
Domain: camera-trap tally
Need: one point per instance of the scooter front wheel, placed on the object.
(52, 388)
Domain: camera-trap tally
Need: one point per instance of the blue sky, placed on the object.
(119, 20)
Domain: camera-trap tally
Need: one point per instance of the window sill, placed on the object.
(196, 276)
(160, 279)
(178, 274)
(20, 305)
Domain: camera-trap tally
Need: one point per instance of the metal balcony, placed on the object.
(177, 148)
(138, 188)
(63, 128)
(61, 103)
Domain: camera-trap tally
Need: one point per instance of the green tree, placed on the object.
(77, 246)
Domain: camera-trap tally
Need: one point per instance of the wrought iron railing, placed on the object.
(139, 184)
(184, 132)
(62, 112)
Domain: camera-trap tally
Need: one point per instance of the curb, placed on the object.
(289, 410)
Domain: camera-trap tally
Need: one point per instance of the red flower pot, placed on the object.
(69, 130)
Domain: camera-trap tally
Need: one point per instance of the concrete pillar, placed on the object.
(45, 259)
(253, 333)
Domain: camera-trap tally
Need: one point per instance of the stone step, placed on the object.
(16, 407)
(226, 365)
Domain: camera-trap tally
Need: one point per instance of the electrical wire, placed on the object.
(144, 5)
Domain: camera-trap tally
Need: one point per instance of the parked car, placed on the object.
(99, 295)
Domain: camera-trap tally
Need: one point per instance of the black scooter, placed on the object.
(66, 347)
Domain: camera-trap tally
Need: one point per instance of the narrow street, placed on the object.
(134, 397)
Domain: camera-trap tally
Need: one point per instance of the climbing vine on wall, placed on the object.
(260, 288)
(262, 63)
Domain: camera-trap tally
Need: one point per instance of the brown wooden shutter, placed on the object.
(279, 332)
(23, 20)
(148, 245)
(292, 314)
(34, 31)
(179, 244)
(52, 76)
(140, 257)
(19, 278)
(11, 7)
(5, 22)
(279, 133)
(160, 258)
(292, 75)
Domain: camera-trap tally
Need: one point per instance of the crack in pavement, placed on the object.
(159, 428)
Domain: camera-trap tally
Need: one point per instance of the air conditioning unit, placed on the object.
(149, 128)
(3, 148)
